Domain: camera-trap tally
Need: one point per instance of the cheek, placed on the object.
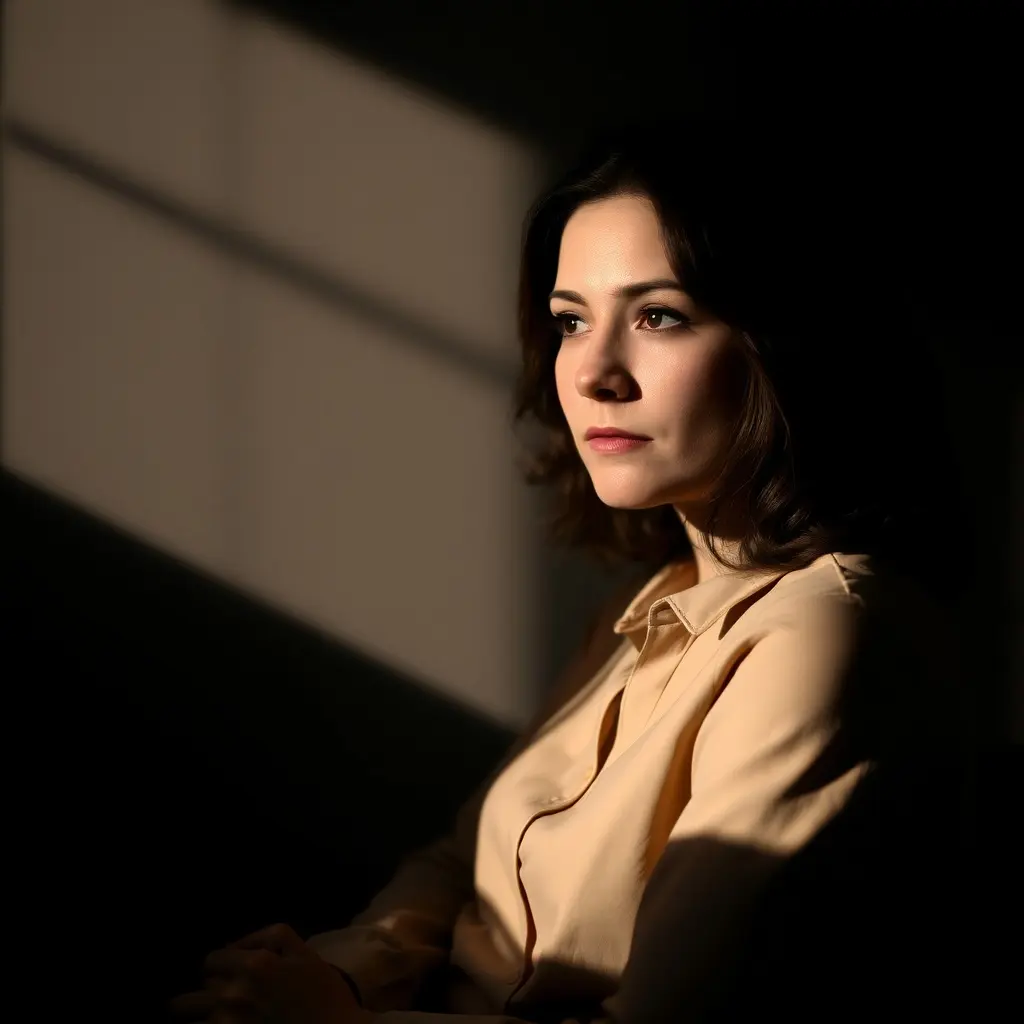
(564, 385)
(706, 393)
(688, 390)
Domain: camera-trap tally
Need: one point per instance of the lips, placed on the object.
(613, 432)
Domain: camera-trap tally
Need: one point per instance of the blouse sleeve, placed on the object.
(772, 765)
(388, 950)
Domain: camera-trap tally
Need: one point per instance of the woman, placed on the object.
(728, 394)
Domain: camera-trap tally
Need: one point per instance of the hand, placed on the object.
(271, 977)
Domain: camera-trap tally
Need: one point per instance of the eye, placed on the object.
(563, 320)
(663, 311)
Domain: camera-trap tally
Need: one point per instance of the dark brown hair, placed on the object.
(788, 239)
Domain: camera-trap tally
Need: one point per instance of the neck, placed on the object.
(707, 566)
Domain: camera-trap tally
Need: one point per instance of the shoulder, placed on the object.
(837, 579)
(813, 615)
(845, 593)
(846, 637)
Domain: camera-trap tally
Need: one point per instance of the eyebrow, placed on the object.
(628, 291)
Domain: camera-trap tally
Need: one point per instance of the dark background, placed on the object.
(151, 823)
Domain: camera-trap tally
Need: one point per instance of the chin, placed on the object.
(628, 497)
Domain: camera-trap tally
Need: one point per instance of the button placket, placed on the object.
(548, 806)
(583, 781)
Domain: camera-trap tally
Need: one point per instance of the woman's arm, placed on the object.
(389, 949)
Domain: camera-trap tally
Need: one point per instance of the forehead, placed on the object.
(619, 236)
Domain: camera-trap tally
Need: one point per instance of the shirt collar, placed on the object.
(674, 592)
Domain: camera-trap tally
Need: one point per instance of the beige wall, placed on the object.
(318, 415)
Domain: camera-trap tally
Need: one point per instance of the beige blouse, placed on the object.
(637, 825)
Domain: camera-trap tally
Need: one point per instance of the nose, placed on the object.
(601, 374)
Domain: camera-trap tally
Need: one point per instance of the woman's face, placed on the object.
(647, 362)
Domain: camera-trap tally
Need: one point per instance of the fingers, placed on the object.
(230, 962)
(227, 1002)
(280, 938)
(218, 997)
(231, 971)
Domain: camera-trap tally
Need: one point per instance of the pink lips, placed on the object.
(616, 443)
(611, 439)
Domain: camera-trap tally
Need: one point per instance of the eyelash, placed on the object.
(684, 324)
